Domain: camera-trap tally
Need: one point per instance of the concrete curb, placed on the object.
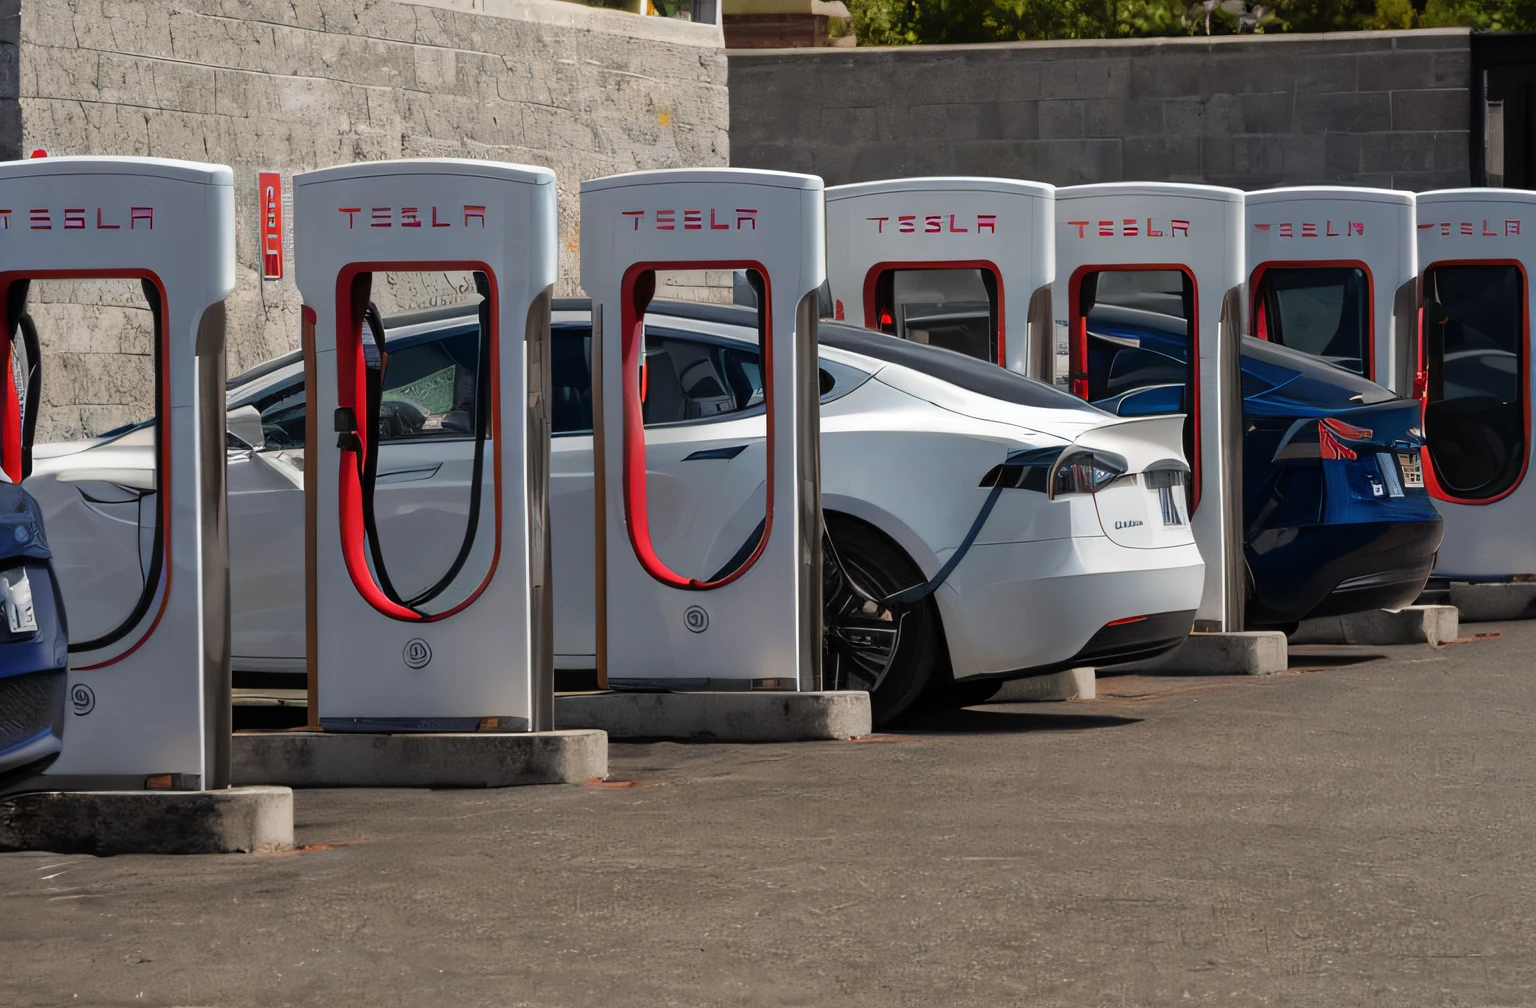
(1490, 603)
(720, 717)
(1071, 684)
(1242, 652)
(1418, 624)
(468, 760)
(237, 820)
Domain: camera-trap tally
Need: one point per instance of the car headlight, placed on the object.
(21, 525)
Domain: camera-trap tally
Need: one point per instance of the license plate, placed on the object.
(17, 589)
(1413, 470)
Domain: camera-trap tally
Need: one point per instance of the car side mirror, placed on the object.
(244, 423)
(1157, 400)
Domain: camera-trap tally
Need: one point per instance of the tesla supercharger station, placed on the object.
(1477, 249)
(1308, 246)
(878, 232)
(481, 656)
(1196, 231)
(152, 694)
(756, 624)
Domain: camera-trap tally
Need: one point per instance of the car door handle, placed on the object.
(729, 452)
(408, 475)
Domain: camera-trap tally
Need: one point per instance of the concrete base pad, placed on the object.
(1071, 684)
(1241, 652)
(1418, 624)
(720, 717)
(476, 759)
(237, 820)
(1488, 603)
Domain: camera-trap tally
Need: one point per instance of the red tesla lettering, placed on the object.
(5, 220)
(1129, 227)
(1357, 227)
(349, 211)
(907, 223)
(1106, 229)
(74, 218)
(715, 225)
(744, 214)
(410, 216)
(932, 225)
(693, 220)
(666, 220)
(141, 213)
(879, 223)
(383, 216)
(1285, 230)
(472, 212)
(635, 216)
(439, 223)
(1466, 227)
(1486, 232)
(1081, 225)
(1511, 227)
(988, 222)
(1308, 230)
(1262, 227)
(41, 220)
(1151, 231)
(1328, 231)
(100, 226)
(956, 230)
(1179, 225)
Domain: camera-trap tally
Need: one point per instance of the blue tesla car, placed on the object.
(34, 642)
(1335, 515)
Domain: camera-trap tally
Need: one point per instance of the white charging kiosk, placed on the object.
(1477, 249)
(964, 263)
(479, 655)
(754, 622)
(1332, 271)
(1166, 260)
(150, 698)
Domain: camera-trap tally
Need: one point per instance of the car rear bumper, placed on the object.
(1332, 570)
(1013, 610)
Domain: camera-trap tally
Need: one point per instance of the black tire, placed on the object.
(968, 694)
(855, 645)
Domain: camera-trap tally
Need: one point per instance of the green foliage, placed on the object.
(938, 22)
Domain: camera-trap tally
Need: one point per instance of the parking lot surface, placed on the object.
(1357, 831)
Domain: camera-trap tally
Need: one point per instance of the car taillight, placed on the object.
(1085, 472)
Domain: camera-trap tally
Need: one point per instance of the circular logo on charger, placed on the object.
(82, 698)
(417, 653)
(695, 619)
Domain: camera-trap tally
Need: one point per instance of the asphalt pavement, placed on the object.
(1355, 832)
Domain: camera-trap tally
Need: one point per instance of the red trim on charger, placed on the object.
(1078, 345)
(350, 378)
(1254, 308)
(632, 355)
(162, 426)
(872, 279)
(1431, 479)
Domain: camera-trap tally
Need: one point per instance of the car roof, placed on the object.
(977, 376)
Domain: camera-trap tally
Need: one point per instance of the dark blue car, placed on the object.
(34, 642)
(1335, 515)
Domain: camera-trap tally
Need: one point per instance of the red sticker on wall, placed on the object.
(270, 186)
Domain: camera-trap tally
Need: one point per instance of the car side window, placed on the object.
(429, 389)
(684, 379)
(282, 415)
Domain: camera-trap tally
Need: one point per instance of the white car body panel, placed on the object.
(902, 450)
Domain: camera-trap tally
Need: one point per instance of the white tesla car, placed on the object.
(1085, 557)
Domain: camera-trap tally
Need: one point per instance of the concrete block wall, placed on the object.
(1365, 108)
(269, 84)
